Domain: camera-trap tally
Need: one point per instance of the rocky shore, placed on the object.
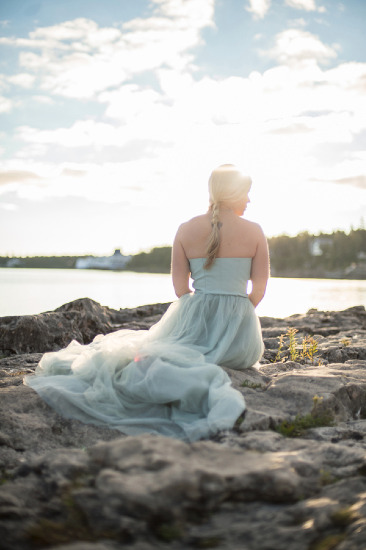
(290, 475)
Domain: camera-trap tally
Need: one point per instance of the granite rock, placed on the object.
(72, 486)
(79, 320)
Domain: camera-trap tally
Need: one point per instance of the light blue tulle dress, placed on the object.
(166, 380)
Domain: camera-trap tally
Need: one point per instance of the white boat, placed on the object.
(117, 261)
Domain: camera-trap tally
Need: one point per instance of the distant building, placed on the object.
(317, 245)
(117, 261)
(14, 262)
(357, 270)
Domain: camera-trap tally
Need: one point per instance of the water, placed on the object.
(30, 291)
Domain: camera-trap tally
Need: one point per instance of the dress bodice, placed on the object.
(225, 276)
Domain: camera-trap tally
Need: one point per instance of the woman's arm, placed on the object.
(260, 270)
(180, 267)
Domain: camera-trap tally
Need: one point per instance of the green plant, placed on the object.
(317, 401)
(47, 532)
(72, 525)
(280, 346)
(239, 421)
(344, 517)
(345, 341)
(4, 477)
(309, 347)
(326, 478)
(292, 346)
(300, 424)
(328, 543)
(168, 532)
(317, 418)
(252, 385)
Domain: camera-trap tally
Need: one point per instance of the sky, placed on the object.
(114, 113)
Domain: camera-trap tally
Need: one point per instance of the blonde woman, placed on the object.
(169, 380)
(222, 233)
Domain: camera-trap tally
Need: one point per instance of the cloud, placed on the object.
(71, 34)
(17, 176)
(72, 172)
(79, 59)
(300, 22)
(158, 138)
(81, 134)
(6, 105)
(334, 128)
(123, 182)
(356, 181)
(77, 74)
(131, 102)
(78, 34)
(348, 169)
(45, 99)
(258, 8)
(24, 80)
(290, 129)
(93, 135)
(198, 13)
(9, 206)
(307, 5)
(349, 76)
(317, 106)
(294, 46)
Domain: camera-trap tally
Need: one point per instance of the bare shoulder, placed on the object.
(253, 227)
(193, 224)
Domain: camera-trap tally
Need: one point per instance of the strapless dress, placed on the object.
(166, 380)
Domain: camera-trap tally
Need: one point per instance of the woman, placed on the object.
(167, 380)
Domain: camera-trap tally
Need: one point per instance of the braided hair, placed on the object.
(214, 239)
(226, 185)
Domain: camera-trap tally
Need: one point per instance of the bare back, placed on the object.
(239, 238)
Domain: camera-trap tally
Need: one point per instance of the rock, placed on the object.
(79, 320)
(47, 331)
(69, 486)
(339, 335)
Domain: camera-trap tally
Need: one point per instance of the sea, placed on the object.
(30, 291)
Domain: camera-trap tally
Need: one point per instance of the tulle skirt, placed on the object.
(166, 380)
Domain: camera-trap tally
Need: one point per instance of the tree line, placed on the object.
(303, 255)
(314, 255)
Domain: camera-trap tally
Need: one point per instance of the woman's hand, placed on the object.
(260, 270)
(180, 267)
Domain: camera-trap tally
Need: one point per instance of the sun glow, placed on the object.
(136, 114)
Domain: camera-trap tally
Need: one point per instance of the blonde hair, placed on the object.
(226, 187)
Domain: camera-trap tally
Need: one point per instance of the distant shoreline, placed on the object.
(325, 256)
(361, 276)
(355, 275)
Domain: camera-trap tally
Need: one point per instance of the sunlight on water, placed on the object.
(30, 291)
(288, 296)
